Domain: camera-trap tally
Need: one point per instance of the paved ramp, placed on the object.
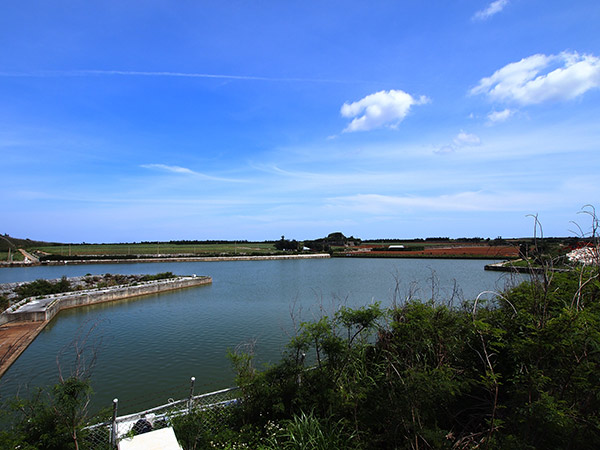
(29, 257)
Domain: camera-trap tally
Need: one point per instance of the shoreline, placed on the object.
(506, 267)
(165, 258)
(419, 256)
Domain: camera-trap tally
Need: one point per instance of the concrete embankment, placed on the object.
(46, 307)
(22, 322)
(508, 266)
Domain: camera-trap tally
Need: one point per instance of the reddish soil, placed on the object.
(477, 251)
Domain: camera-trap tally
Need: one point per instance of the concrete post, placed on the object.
(113, 425)
(191, 400)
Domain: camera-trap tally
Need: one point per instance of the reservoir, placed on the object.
(146, 349)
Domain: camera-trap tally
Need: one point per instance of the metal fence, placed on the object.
(106, 435)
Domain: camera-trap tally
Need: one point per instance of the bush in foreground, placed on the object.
(520, 372)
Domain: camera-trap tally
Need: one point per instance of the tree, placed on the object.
(285, 244)
(54, 418)
(50, 420)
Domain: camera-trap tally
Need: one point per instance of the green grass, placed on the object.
(163, 249)
(16, 256)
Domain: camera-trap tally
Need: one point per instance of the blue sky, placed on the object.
(157, 120)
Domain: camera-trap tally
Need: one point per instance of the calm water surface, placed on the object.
(149, 347)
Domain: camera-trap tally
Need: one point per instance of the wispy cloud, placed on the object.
(540, 78)
(379, 110)
(499, 116)
(493, 8)
(185, 171)
(136, 73)
(462, 139)
(458, 202)
(166, 168)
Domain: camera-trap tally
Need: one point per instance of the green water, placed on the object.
(148, 348)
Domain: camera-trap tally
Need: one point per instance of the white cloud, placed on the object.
(499, 116)
(479, 201)
(186, 171)
(462, 139)
(493, 8)
(521, 193)
(166, 168)
(445, 149)
(379, 110)
(541, 78)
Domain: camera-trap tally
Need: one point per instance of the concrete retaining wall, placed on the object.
(57, 302)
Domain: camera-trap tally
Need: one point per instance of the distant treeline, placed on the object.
(7, 242)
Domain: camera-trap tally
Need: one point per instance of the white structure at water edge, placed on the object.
(163, 439)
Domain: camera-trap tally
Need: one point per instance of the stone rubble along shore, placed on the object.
(84, 282)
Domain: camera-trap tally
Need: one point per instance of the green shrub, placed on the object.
(158, 276)
(4, 303)
(522, 371)
(49, 420)
(43, 287)
(307, 432)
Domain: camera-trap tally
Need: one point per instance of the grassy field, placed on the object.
(159, 249)
(262, 248)
(16, 256)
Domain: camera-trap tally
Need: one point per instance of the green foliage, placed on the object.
(286, 244)
(307, 432)
(49, 421)
(203, 428)
(4, 303)
(158, 276)
(43, 287)
(521, 371)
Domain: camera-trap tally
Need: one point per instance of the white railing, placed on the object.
(107, 434)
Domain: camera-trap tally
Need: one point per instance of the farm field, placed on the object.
(163, 248)
(440, 251)
(16, 256)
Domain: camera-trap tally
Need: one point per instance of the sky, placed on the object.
(125, 121)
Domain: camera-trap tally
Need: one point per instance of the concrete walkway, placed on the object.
(29, 257)
(14, 339)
